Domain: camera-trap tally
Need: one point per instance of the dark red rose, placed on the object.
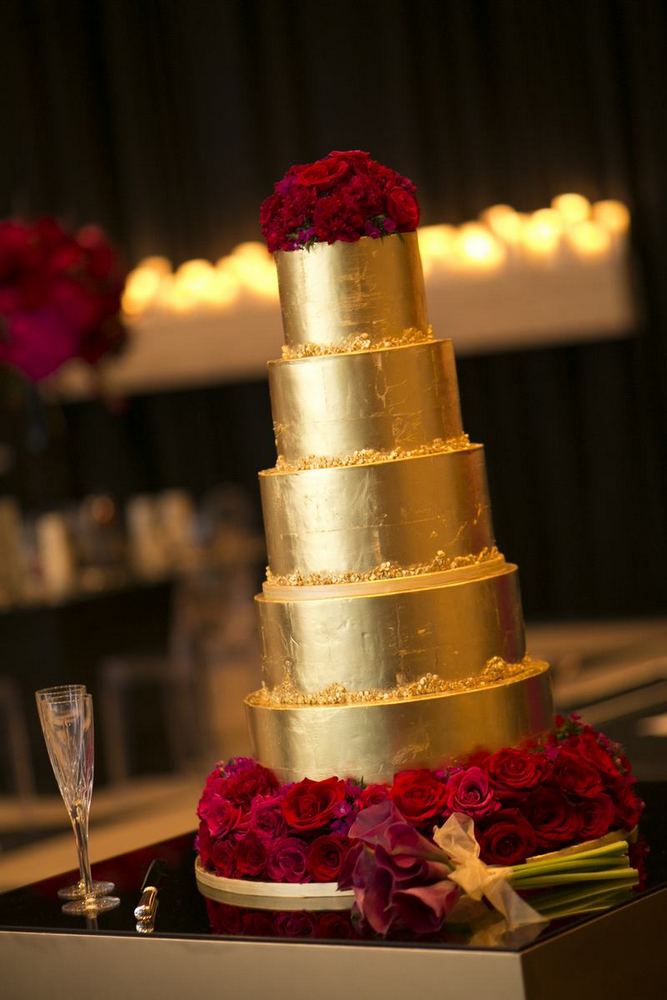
(596, 816)
(586, 746)
(469, 792)
(336, 219)
(552, 817)
(575, 777)
(266, 816)
(295, 924)
(204, 844)
(323, 173)
(223, 919)
(515, 770)
(372, 794)
(287, 861)
(255, 923)
(334, 926)
(326, 855)
(242, 787)
(310, 805)
(223, 853)
(418, 795)
(403, 208)
(629, 806)
(506, 838)
(251, 854)
(220, 815)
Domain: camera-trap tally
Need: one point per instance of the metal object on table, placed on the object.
(146, 910)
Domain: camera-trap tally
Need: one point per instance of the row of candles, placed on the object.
(572, 230)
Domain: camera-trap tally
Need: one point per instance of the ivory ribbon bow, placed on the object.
(457, 839)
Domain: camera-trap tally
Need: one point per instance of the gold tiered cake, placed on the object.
(391, 625)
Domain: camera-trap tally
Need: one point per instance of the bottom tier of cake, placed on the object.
(375, 740)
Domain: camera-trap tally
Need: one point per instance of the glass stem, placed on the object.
(80, 826)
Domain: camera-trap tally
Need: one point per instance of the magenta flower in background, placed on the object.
(59, 296)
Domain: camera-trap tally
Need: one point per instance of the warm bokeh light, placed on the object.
(589, 239)
(141, 288)
(572, 208)
(477, 246)
(504, 223)
(254, 268)
(437, 246)
(589, 231)
(541, 233)
(612, 214)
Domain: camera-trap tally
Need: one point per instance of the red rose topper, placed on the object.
(342, 197)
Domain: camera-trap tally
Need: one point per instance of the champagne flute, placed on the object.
(66, 716)
(77, 890)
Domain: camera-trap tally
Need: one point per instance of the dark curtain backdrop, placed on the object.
(168, 122)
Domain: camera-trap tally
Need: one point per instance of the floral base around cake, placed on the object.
(259, 838)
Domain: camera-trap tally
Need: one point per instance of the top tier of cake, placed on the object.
(339, 296)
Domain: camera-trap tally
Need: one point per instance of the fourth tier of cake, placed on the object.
(391, 625)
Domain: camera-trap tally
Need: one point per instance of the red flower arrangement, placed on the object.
(344, 196)
(574, 785)
(59, 296)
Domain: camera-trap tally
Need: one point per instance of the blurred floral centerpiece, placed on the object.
(59, 296)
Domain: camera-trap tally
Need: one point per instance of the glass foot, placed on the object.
(91, 906)
(77, 890)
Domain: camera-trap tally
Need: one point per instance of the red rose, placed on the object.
(515, 770)
(468, 792)
(254, 923)
(418, 795)
(326, 856)
(287, 861)
(372, 794)
(266, 816)
(403, 208)
(586, 746)
(204, 844)
(552, 817)
(223, 919)
(506, 838)
(310, 805)
(223, 858)
(295, 924)
(335, 926)
(629, 806)
(596, 816)
(575, 777)
(242, 786)
(220, 815)
(322, 173)
(250, 855)
(336, 219)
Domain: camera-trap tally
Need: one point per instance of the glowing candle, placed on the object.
(572, 208)
(504, 223)
(540, 237)
(589, 240)
(612, 215)
(437, 246)
(478, 249)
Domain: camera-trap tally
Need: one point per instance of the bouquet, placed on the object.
(343, 196)
(59, 296)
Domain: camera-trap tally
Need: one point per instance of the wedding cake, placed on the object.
(391, 624)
